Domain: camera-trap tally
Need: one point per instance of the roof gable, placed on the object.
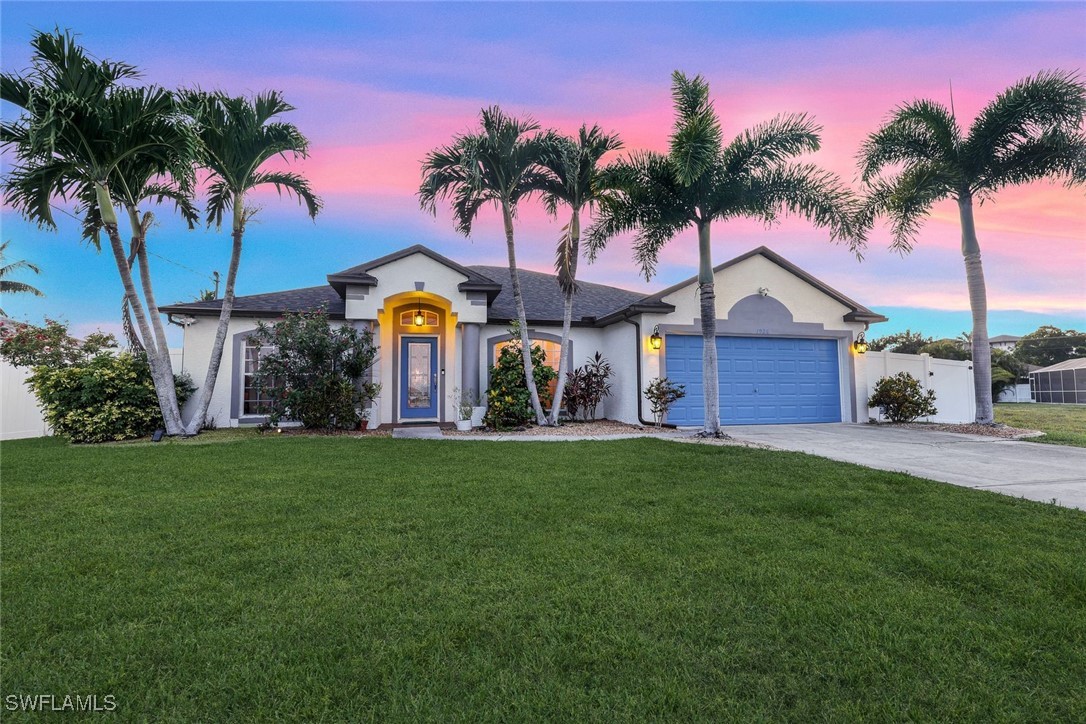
(857, 312)
(362, 274)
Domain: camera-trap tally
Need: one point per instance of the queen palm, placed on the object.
(1031, 131)
(498, 166)
(80, 135)
(700, 180)
(9, 285)
(572, 179)
(238, 137)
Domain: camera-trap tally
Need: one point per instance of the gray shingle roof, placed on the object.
(543, 299)
(271, 304)
(594, 304)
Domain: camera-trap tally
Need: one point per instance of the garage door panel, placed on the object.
(762, 380)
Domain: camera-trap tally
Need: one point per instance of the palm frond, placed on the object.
(696, 139)
(810, 192)
(290, 183)
(906, 200)
(921, 131)
(771, 143)
(1050, 100)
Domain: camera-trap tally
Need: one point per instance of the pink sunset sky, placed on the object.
(377, 86)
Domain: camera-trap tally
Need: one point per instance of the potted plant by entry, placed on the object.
(465, 404)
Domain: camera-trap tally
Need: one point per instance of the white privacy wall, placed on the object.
(952, 381)
(20, 415)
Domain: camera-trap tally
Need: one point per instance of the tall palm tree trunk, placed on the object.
(978, 303)
(161, 349)
(522, 317)
(162, 379)
(567, 315)
(707, 289)
(203, 398)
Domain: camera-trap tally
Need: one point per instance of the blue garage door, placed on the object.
(763, 380)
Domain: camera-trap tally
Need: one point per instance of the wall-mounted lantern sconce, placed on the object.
(656, 341)
(860, 345)
(420, 319)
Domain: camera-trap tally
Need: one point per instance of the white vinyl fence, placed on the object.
(20, 415)
(1016, 393)
(952, 381)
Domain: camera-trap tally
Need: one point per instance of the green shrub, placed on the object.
(902, 399)
(314, 373)
(509, 403)
(108, 397)
(88, 393)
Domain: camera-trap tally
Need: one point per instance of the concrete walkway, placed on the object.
(1013, 467)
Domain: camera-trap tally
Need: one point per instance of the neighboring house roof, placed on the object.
(272, 304)
(544, 301)
(1079, 363)
(360, 274)
(593, 305)
(1003, 338)
(857, 313)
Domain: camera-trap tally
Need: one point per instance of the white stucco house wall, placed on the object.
(785, 339)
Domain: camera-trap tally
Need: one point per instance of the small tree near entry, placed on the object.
(902, 399)
(315, 373)
(509, 403)
(662, 393)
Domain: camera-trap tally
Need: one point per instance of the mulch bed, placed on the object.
(998, 430)
(595, 427)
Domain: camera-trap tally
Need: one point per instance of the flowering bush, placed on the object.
(902, 399)
(88, 393)
(27, 346)
(508, 402)
(314, 373)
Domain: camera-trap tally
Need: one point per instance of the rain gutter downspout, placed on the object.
(637, 353)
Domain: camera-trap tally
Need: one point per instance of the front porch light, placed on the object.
(860, 345)
(656, 341)
(420, 318)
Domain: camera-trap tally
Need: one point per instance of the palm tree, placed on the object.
(80, 137)
(572, 179)
(10, 286)
(499, 166)
(701, 181)
(1031, 131)
(239, 135)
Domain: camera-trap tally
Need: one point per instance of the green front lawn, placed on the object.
(346, 579)
(1062, 424)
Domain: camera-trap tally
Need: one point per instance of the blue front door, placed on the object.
(418, 377)
(762, 380)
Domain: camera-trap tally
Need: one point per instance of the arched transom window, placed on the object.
(429, 319)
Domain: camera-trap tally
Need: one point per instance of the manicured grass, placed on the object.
(1062, 424)
(344, 579)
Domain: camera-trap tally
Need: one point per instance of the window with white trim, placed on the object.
(254, 401)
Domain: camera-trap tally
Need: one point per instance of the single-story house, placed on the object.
(785, 339)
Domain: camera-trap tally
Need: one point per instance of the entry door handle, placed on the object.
(435, 381)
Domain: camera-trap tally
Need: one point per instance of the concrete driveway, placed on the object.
(1023, 469)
